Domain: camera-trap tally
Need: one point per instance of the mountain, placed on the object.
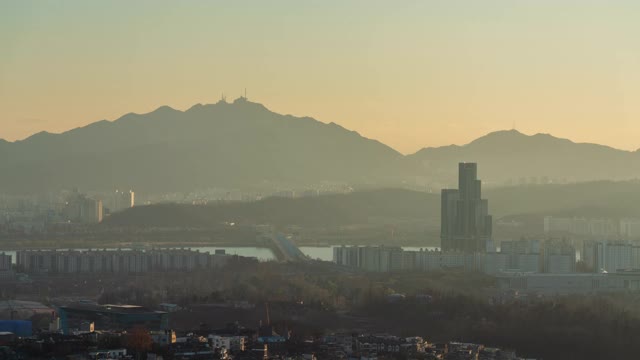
(510, 156)
(224, 144)
(244, 145)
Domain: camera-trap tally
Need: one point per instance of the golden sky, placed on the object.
(408, 73)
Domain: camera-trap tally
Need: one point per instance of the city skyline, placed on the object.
(425, 74)
(253, 180)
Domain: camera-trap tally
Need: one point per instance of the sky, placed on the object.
(411, 74)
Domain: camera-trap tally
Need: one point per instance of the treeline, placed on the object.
(440, 306)
(596, 327)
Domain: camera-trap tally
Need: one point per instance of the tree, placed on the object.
(139, 340)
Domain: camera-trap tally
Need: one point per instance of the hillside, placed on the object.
(327, 210)
(595, 199)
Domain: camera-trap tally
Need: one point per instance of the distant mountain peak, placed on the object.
(514, 137)
(507, 132)
(245, 101)
(210, 145)
(164, 109)
(241, 100)
(511, 133)
(506, 155)
(38, 135)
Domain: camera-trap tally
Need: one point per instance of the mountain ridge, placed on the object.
(243, 143)
(508, 155)
(167, 108)
(492, 135)
(224, 144)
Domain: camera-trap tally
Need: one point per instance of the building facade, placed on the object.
(465, 221)
(116, 261)
(609, 256)
(121, 200)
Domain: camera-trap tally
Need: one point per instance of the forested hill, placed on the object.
(327, 210)
(594, 199)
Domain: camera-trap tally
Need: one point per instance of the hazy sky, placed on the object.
(408, 73)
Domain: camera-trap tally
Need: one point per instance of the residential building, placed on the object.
(630, 229)
(522, 255)
(559, 257)
(599, 227)
(232, 343)
(564, 284)
(121, 200)
(82, 209)
(5, 262)
(614, 256)
(116, 261)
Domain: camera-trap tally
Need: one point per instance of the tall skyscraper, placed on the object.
(465, 221)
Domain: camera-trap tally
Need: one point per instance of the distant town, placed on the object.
(319, 180)
(153, 298)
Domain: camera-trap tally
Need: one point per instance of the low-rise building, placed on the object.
(565, 284)
(163, 337)
(232, 343)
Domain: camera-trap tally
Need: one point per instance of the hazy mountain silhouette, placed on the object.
(232, 144)
(243, 144)
(505, 155)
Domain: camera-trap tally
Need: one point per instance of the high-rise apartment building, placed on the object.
(91, 211)
(82, 209)
(121, 200)
(465, 221)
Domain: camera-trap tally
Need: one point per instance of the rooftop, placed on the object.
(111, 308)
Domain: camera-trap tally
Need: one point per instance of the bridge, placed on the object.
(285, 250)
